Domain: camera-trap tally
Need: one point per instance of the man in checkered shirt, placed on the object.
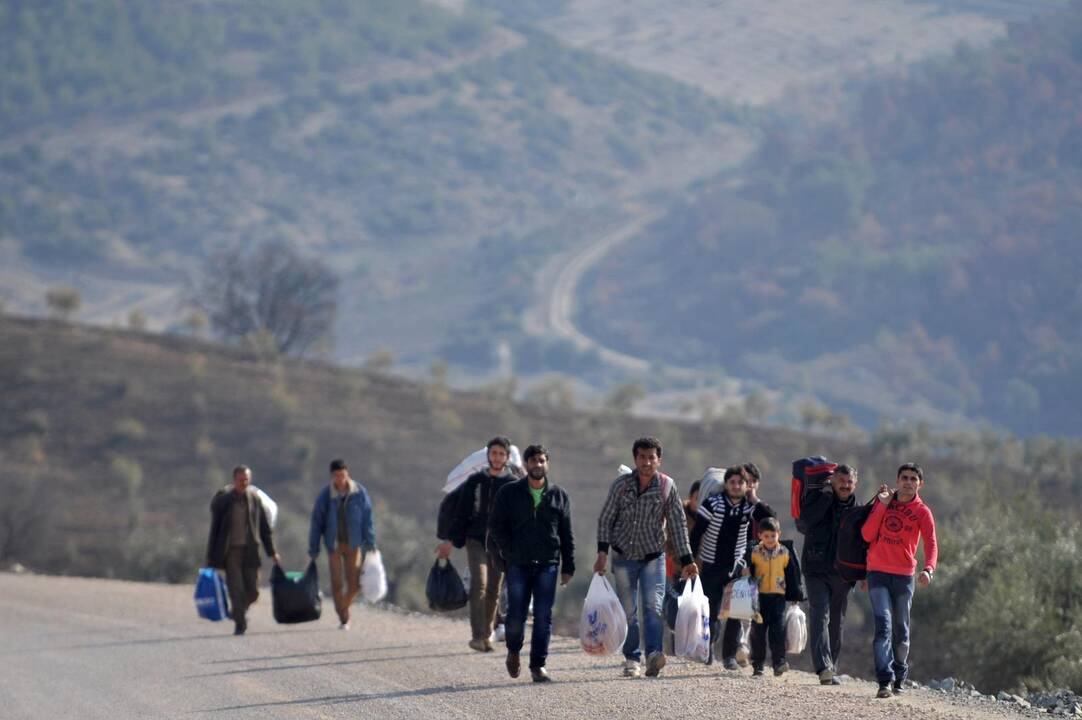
(632, 525)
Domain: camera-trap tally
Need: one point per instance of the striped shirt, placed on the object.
(633, 523)
(724, 533)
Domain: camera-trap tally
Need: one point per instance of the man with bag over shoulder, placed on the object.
(238, 528)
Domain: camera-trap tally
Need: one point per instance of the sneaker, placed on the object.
(756, 671)
(632, 669)
(730, 664)
(898, 687)
(884, 691)
(512, 663)
(781, 669)
(488, 646)
(654, 662)
(540, 675)
(826, 676)
(478, 645)
(343, 625)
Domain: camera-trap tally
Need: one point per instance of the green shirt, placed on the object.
(537, 493)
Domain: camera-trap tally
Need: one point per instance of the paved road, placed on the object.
(80, 648)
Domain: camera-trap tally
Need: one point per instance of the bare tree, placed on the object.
(63, 302)
(271, 290)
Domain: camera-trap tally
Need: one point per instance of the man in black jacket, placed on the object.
(469, 527)
(821, 510)
(530, 526)
(238, 526)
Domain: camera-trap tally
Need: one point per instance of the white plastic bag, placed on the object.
(712, 482)
(269, 506)
(476, 462)
(741, 600)
(373, 577)
(603, 625)
(691, 636)
(796, 630)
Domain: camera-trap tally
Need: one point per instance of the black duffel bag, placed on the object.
(296, 599)
(444, 588)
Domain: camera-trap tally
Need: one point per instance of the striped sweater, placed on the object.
(722, 537)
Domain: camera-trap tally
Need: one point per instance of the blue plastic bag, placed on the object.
(211, 597)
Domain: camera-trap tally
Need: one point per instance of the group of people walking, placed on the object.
(240, 529)
(515, 525)
(520, 528)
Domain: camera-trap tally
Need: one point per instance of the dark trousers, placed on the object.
(714, 582)
(524, 582)
(828, 599)
(243, 583)
(772, 628)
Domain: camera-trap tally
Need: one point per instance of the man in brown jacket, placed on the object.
(238, 526)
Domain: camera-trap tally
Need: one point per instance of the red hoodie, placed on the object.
(893, 532)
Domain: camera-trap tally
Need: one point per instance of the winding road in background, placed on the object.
(89, 648)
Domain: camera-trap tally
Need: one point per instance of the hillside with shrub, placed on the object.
(112, 443)
(917, 256)
(387, 137)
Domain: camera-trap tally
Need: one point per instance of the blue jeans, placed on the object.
(641, 584)
(891, 597)
(524, 582)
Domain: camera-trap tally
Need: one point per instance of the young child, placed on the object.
(774, 565)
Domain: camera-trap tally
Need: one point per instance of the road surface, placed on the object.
(89, 648)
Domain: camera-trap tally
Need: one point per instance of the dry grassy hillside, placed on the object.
(128, 434)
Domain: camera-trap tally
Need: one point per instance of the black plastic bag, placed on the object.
(296, 600)
(444, 588)
(671, 602)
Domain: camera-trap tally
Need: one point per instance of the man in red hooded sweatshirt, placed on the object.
(893, 529)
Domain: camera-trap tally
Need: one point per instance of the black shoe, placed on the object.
(512, 663)
(239, 626)
(540, 675)
(757, 671)
(730, 664)
(898, 688)
(884, 691)
(781, 669)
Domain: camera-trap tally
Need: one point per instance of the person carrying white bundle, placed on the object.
(603, 625)
(691, 636)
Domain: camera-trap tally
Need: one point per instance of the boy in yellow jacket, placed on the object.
(774, 566)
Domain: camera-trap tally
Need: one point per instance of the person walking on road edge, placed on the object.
(640, 507)
(238, 528)
(342, 519)
(530, 527)
(821, 512)
(899, 520)
(469, 526)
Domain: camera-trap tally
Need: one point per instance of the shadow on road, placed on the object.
(150, 641)
(425, 692)
(312, 654)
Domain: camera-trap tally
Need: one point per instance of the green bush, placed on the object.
(1005, 611)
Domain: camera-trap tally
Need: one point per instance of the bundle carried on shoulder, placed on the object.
(211, 595)
(603, 624)
(691, 636)
(477, 461)
(444, 588)
(809, 473)
(373, 577)
(295, 596)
